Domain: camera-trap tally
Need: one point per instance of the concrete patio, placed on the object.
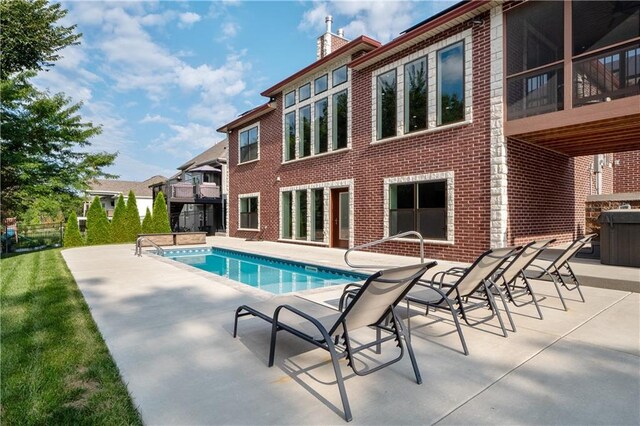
(168, 327)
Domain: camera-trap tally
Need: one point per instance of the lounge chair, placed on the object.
(514, 270)
(458, 285)
(374, 305)
(553, 272)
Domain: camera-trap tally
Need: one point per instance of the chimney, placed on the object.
(329, 42)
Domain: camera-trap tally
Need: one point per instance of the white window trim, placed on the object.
(240, 198)
(430, 52)
(312, 101)
(438, 176)
(327, 186)
(244, 129)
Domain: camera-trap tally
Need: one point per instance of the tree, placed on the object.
(72, 236)
(42, 138)
(44, 142)
(160, 215)
(119, 222)
(147, 223)
(30, 38)
(98, 227)
(133, 217)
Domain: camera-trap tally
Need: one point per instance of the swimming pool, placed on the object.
(277, 276)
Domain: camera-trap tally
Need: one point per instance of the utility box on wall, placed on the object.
(620, 237)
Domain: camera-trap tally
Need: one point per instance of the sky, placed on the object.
(161, 76)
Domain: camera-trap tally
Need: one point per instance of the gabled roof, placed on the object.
(358, 44)
(458, 13)
(217, 153)
(248, 116)
(115, 186)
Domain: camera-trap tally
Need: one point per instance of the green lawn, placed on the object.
(55, 367)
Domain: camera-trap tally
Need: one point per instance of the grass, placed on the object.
(55, 367)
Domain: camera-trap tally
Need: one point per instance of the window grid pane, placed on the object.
(290, 136)
(305, 131)
(340, 118)
(415, 95)
(321, 84)
(451, 84)
(386, 105)
(321, 128)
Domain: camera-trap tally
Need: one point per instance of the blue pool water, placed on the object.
(271, 274)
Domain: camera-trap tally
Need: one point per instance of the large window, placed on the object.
(321, 127)
(290, 136)
(340, 120)
(305, 131)
(415, 95)
(317, 215)
(287, 223)
(249, 212)
(249, 144)
(301, 215)
(339, 75)
(419, 207)
(386, 105)
(290, 99)
(451, 84)
(608, 23)
(318, 121)
(535, 54)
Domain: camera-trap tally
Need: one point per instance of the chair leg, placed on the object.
(506, 308)
(339, 380)
(407, 342)
(533, 295)
(272, 347)
(235, 322)
(575, 280)
(555, 283)
(454, 314)
(494, 308)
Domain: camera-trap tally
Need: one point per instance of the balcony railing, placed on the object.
(537, 92)
(608, 75)
(203, 190)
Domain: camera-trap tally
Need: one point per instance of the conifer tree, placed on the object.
(133, 218)
(72, 236)
(147, 223)
(160, 215)
(98, 226)
(119, 222)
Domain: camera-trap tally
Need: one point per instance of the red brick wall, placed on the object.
(626, 172)
(547, 192)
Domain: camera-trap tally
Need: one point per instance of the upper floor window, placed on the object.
(339, 75)
(305, 131)
(290, 136)
(450, 84)
(249, 144)
(249, 212)
(290, 99)
(386, 104)
(415, 95)
(321, 127)
(304, 92)
(340, 120)
(320, 84)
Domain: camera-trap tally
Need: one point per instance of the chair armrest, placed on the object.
(349, 290)
(298, 312)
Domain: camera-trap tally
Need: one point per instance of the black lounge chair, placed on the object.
(456, 286)
(374, 305)
(554, 272)
(509, 276)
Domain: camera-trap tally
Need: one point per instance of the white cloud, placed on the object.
(382, 20)
(188, 140)
(156, 118)
(188, 18)
(230, 29)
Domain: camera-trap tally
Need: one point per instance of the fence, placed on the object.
(33, 236)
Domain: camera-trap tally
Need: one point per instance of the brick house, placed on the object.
(461, 128)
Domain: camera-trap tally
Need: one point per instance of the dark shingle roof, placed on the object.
(213, 154)
(140, 189)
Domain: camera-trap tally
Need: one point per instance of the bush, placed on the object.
(72, 236)
(147, 223)
(119, 222)
(160, 215)
(133, 218)
(98, 226)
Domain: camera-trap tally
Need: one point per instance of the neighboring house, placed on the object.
(477, 127)
(197, 195)
(108, 190)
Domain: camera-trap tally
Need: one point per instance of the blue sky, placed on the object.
(160, 77)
